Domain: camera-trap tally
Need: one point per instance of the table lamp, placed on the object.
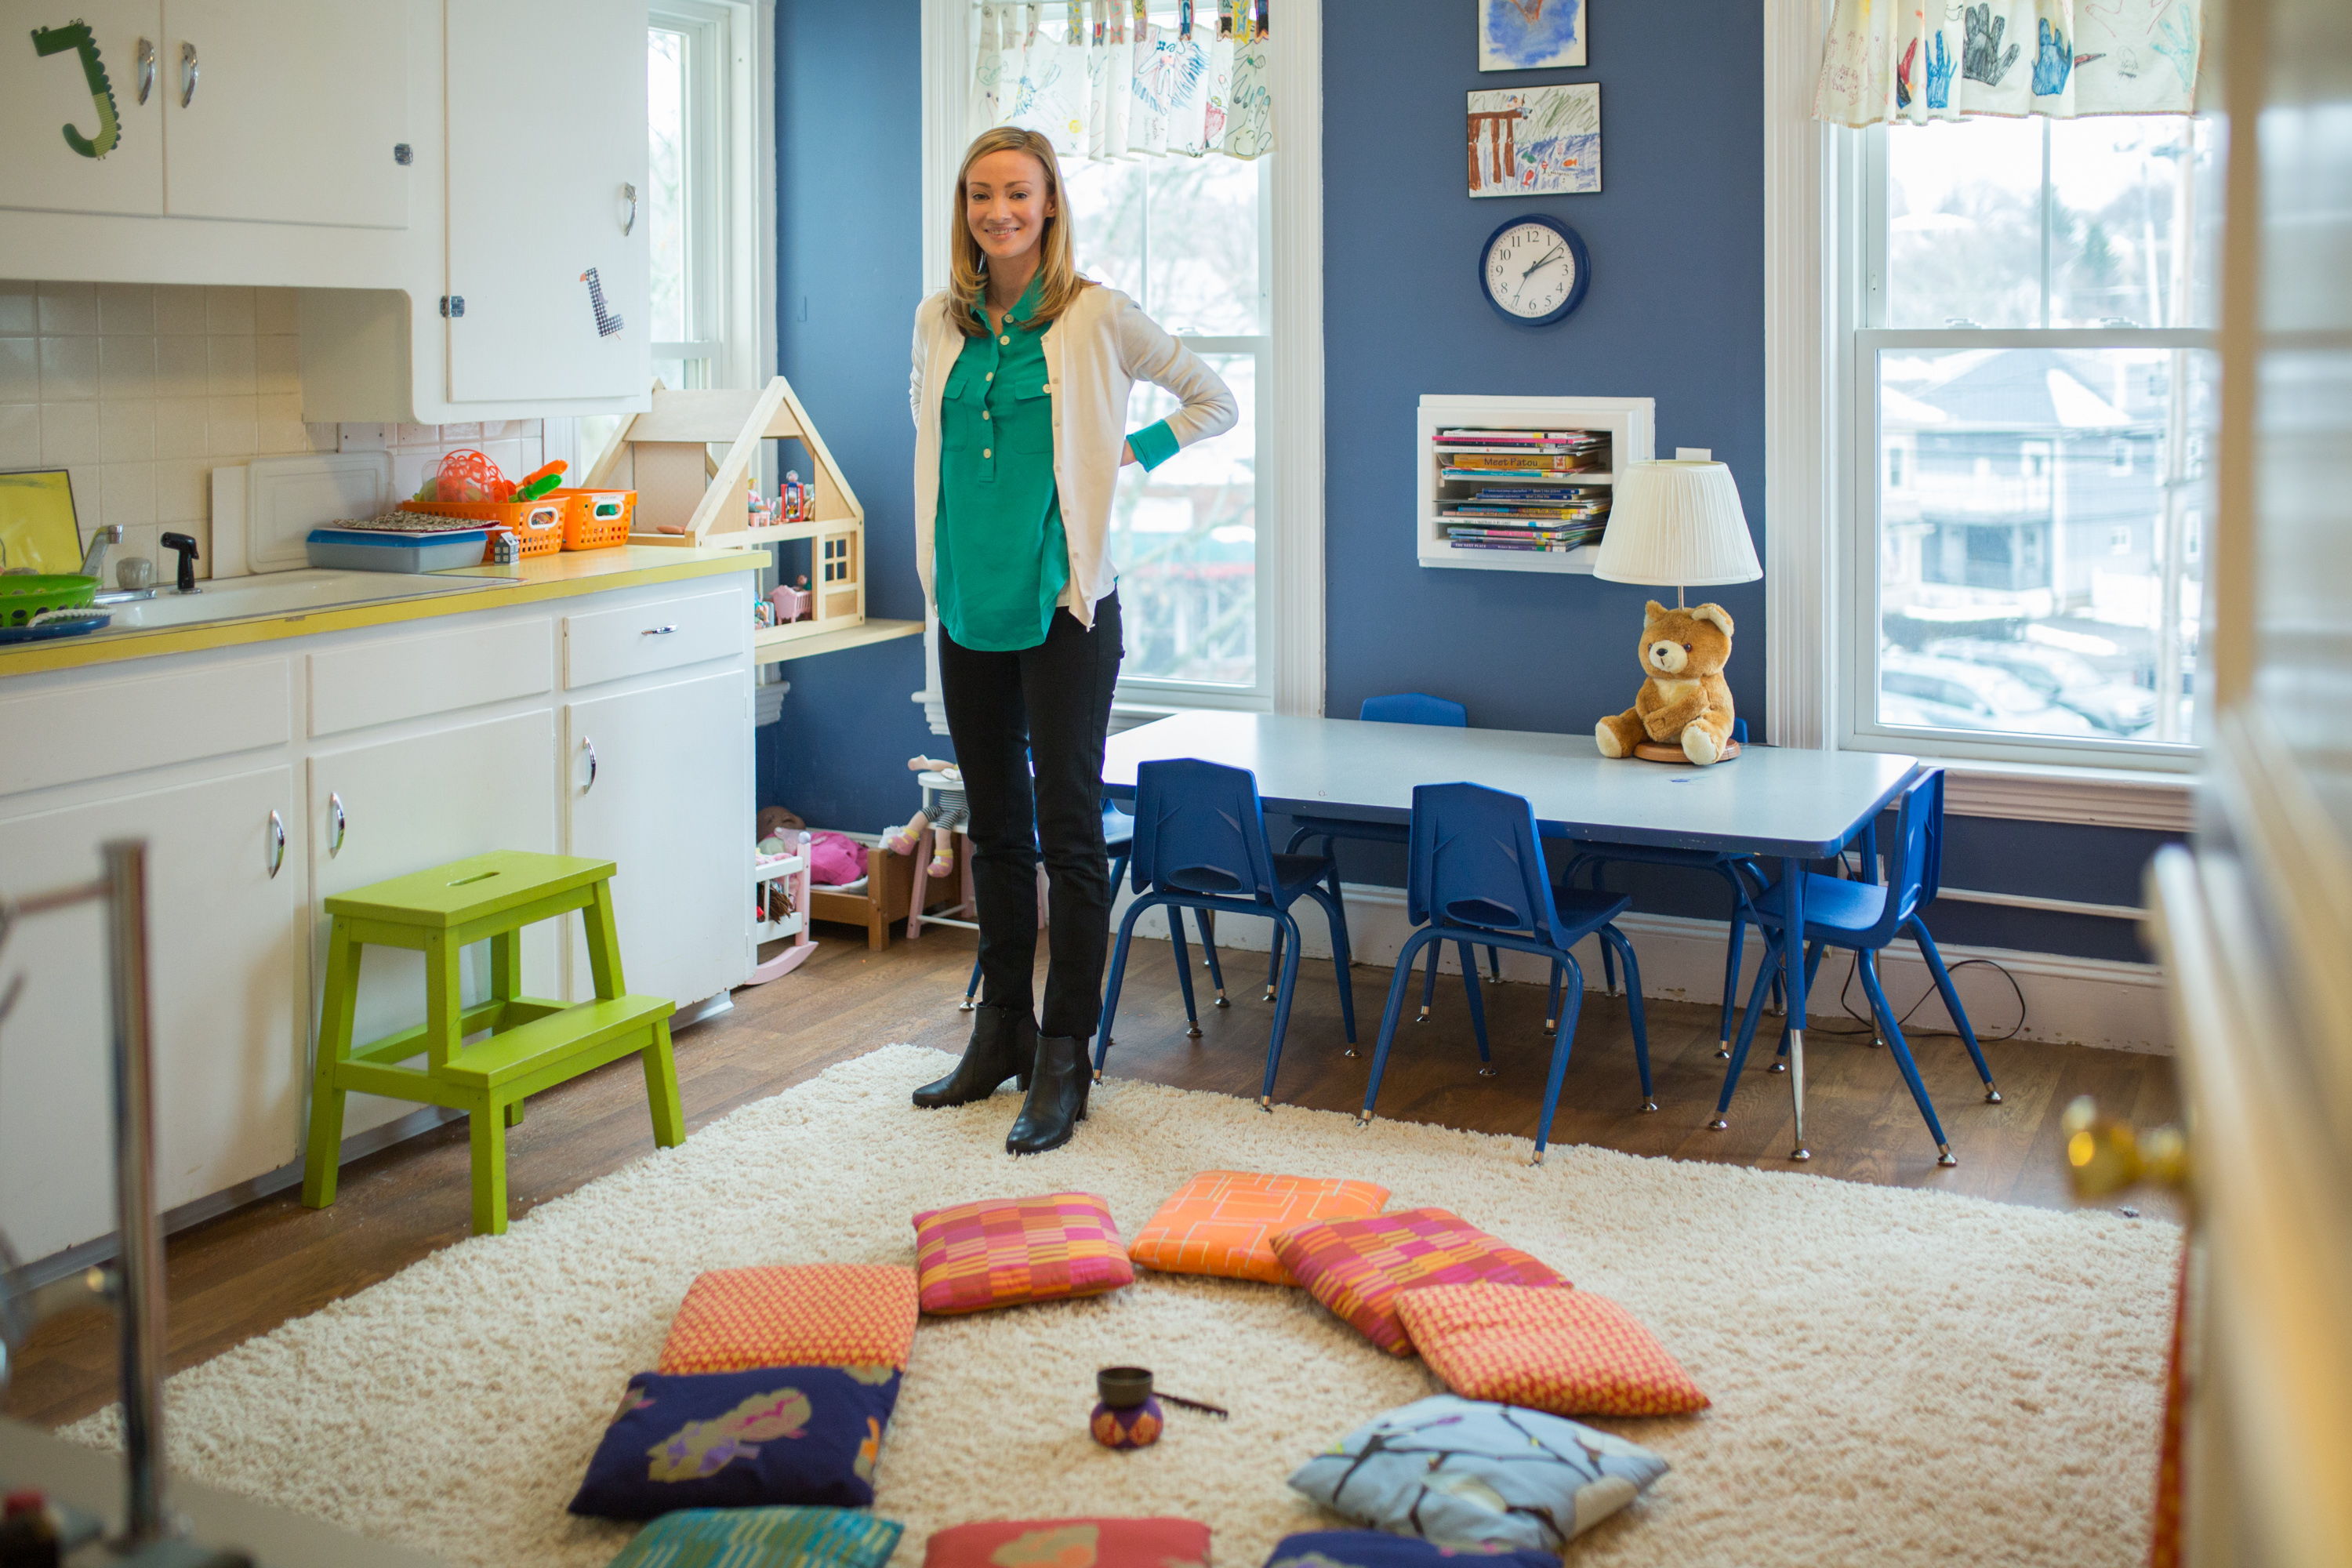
(1677, 522)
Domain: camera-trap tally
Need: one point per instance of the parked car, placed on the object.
(2116, 706)
(1954, 694)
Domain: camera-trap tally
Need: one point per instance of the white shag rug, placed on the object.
(1898, 1377)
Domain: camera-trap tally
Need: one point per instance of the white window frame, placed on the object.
(1814, 275)
(1290, 587)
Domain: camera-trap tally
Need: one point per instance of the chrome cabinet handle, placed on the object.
(276, 844)
(189, 72)
(335, 814)
(146, 67)
(590, 747)
(630, 192)
(658, 631)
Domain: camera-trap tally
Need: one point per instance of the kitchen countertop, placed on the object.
(561, 575)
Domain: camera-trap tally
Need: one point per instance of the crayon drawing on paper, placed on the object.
(1536, 141)
(1531, 35)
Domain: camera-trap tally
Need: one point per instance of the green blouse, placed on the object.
(1000, 561)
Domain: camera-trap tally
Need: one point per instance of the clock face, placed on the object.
(1534, 270)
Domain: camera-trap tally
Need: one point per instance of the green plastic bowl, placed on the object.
(26, 595)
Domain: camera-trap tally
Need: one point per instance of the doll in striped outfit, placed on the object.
(940, 816)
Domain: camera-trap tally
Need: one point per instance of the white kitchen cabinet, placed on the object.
(657, 781)
(400, 804)
(230, 1048)
(287, 111)
(41, 96)
(270, 111)
(540, 201)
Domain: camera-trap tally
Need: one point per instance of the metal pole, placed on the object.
(142, 1237)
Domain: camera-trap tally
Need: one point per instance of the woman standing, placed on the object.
(1021, 381)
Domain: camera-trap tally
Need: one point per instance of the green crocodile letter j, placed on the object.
(75, 36)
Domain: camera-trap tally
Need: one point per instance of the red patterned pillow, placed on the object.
(1357, 1267)
(1070, 1543)
(1567, 1351)
(1218, 1222)
(814, 1314)
(1003, 1251)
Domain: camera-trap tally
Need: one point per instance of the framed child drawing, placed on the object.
(1531, 35)
(1535, 141)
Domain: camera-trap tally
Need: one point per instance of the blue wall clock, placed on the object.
(1534, 270)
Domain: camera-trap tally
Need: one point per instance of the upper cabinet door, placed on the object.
(287, 110)
(546, 135)
(81, 127)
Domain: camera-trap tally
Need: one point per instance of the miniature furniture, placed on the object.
(1776, 801)
(1200, 844)
(881, 902)
(688, 497)
(780, 892)
(1475, 874)
(532, 1044)
(1863, 917)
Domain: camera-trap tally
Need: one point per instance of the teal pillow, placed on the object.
(1470, 1475)
(762, 1537)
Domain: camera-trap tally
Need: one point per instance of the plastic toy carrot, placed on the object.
(539, 481)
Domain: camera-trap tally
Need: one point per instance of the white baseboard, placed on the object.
(2068, 1001)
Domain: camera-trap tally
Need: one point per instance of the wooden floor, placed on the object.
(247, 1272)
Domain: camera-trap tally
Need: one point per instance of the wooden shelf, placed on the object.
(776, 532)
(778, 643)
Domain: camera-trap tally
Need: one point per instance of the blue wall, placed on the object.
(1675, 312)
(849, 266)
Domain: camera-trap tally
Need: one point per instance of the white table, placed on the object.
(1797, 805)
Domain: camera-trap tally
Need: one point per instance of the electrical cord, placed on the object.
(1870, 1027)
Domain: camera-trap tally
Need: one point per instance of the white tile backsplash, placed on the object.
(138, 391)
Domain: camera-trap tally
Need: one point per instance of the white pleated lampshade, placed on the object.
(1679, 524)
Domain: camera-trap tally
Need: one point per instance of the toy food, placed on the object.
(1684, 700)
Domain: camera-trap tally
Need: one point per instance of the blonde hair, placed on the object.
(968, 264)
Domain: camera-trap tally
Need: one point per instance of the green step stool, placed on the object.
(534, 1044)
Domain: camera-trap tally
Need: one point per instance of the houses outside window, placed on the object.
(2035, 316)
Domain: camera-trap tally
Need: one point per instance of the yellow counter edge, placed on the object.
(560, 577)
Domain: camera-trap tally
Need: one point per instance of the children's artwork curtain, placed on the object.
(1101, 79)
(1911, 61)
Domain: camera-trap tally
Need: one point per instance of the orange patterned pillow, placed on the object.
(1220, 1222)
(1357, 1267)
(814, 1314)
(1570, 1352)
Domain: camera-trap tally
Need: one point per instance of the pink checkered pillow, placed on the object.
(1002, 1251)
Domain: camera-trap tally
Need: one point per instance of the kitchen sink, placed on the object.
(282, 594)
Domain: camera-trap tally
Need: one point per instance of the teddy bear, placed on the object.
(1684, 699)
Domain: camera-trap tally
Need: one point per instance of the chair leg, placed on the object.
(1429, 982)
(1737, 938)
(1746, 1036)
(661, 1089)
(1207, 920)
(1342, 959)
(1902, 1049)
(1611, 936)
(1494, 965)
(1477, 1007)
(1184, 969)
(1812, 965)
(1559, 1050)
(1118, 971)
(971, 986)
(1273, 962)
(1952, 1005)
(1284, 925)
(1551, 1007)
(1412, 945)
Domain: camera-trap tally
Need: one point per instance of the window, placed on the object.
(2033, 320)
(1189, 239)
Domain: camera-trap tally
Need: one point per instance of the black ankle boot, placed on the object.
(1003, 1044)
(1057, 1097)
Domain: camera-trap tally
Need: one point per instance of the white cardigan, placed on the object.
(1095, 353)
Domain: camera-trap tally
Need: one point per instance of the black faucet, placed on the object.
(187, 549)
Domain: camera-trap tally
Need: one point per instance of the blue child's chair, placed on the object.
(1476, 874)
(1864, 917)
(1200, 844)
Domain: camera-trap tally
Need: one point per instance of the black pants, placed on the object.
(1050, 703)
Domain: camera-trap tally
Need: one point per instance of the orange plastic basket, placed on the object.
(537, 525)
(595, 518)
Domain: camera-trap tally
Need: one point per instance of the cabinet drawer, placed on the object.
(657, 635)
(96, 730)
(381, 682)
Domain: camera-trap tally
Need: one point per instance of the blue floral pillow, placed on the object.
(1379, 1549)
(1466, 1474)
(740, 1439)
(762, 1537)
